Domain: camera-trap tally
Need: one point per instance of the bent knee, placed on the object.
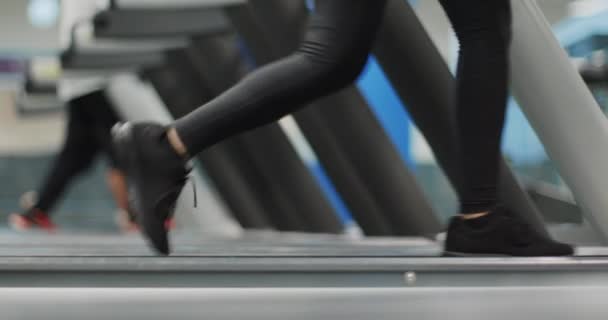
(337, 64)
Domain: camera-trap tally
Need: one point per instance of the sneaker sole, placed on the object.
(494, 255)
(454, 254)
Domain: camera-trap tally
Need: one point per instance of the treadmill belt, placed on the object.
(274, 260)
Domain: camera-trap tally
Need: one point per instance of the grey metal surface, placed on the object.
(114, 62)
(301, 264)
(173, 4)
(159, 23)
(296, 272)
(84, 41)
(562, 111)
(250, 244)
(581, 235)
(555, 303)
(189, 245)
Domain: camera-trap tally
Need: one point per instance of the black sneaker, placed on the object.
(155, 174)
(501, 235)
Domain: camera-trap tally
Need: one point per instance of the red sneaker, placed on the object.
(34, 219)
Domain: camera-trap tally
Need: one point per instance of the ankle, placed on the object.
(471, 216)
(476, 220)
(177, 144)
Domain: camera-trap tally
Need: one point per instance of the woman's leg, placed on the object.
(334, 50)
(76, 155)
(105, 117)
(483, 29)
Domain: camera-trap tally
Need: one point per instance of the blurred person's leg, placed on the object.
(117, 183)
(76, 156)
(103, 118)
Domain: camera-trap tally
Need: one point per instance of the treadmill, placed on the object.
(269, 275)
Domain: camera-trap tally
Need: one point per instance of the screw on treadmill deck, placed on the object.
(410, 278)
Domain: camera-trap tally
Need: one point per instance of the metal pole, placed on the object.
(562, 111)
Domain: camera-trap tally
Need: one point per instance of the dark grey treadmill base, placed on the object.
(126, 24)
(259, 260)
(299, 272)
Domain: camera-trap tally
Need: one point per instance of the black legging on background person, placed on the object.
(90, 120)
(338, 39)
(88, 134)
(333, 53)
(483, 29)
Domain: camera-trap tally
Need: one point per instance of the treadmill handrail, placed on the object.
(173, 4)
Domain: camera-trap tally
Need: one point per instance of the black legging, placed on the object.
(337, 42)
(90, 120)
